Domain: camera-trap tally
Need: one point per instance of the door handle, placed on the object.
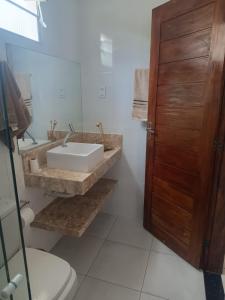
(11, 287)
(149, 128)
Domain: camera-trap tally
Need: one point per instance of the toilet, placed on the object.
(51, 278)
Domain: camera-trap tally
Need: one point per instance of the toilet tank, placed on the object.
(10, 227)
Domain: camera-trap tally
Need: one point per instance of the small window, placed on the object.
(20, 17)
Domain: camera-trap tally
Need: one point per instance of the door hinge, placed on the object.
(219, 145)
(206, 244)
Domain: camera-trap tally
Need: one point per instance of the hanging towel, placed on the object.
(140, 102)
(18, 115)
(23, 81)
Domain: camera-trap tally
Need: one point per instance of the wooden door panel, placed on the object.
(177, 137)
(177, 221)
(194, 45)
(170, 239)
(182, 118)
(183, 181)
(176, 10)
(171, 232)
(193, 21)
(187, 71)
(180, 216)
(167, 191)
(180, 158)
(186, 80)
(181, 95)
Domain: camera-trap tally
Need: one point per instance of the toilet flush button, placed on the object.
(11, 287)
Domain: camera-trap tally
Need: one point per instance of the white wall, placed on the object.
(124, 27)
(60, 39)
(75, 28)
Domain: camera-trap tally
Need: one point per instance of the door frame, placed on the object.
(213, 256)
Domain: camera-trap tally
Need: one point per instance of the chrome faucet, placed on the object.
(64, 144)
(31, 137)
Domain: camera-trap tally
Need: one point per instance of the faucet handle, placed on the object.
(71, 127)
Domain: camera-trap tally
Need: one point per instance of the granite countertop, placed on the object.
(72, 216)
(69, 182)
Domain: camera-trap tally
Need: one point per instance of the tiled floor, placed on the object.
(118, 260)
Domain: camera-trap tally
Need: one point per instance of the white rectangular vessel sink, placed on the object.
(76, 157)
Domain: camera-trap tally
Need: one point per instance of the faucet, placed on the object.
(71, 127)
(31, 137)
(64, 144)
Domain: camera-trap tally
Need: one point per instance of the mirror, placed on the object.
(51, 89)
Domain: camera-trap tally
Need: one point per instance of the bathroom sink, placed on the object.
(77, 157)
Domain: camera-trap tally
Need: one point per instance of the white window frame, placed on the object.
(29, 12)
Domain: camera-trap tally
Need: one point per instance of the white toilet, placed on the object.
(51, 278)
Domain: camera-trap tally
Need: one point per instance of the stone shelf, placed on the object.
(68, 182)
(72, 216)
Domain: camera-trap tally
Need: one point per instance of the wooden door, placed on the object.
(186, 84)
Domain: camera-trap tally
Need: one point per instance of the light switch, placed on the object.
(62, 93)
(102, 92)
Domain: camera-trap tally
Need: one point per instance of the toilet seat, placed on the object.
(51, 278)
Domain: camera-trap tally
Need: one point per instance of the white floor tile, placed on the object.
(169, 276)
(120, 264)
(160, 247)
(101, 225)
(93, 289)
(79, 253)
(131, 233)
(150, 297)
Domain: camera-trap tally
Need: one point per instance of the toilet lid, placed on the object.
(48, 274)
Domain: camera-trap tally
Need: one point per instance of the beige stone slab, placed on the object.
(72, 216)
(69, 182)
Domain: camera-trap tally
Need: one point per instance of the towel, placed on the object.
(18, 115)
(23, 81)
(140, 102)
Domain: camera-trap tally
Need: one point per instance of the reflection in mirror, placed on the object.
(51, 89)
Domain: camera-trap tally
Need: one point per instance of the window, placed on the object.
(20, 17)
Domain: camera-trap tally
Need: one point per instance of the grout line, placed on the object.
(86, 275)
(113, 283)
(128, 245)
(139, 296)
(99, 250)
(77, 290)
(111, 228)
(104, 240)
(160, 298)
(147, 264)
(124, 243)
